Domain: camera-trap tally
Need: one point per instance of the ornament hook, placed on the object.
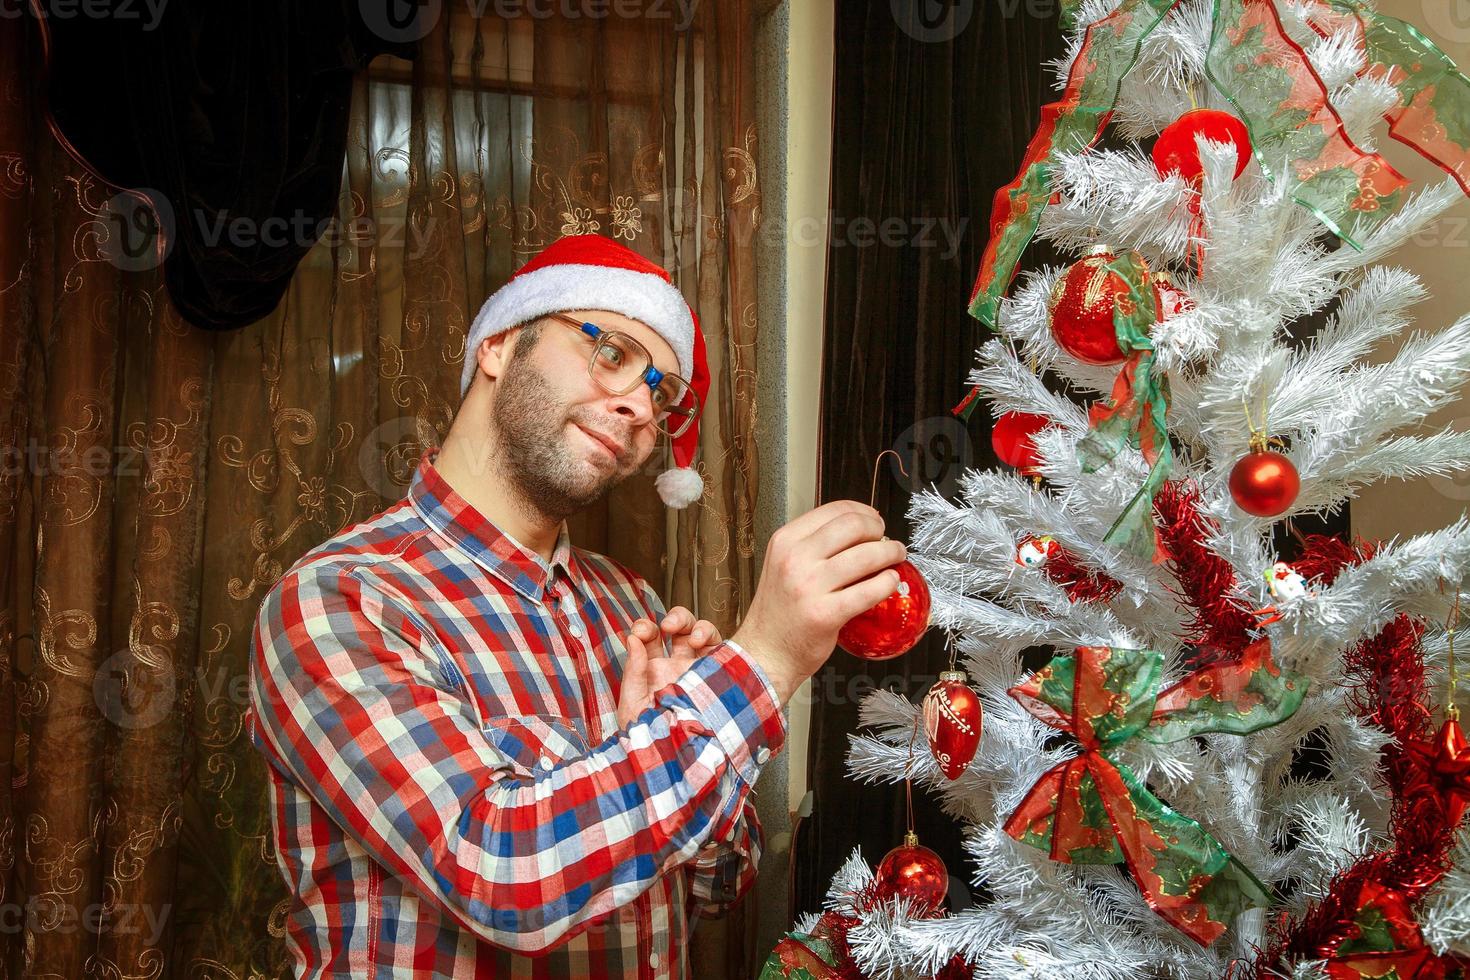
(873, 495)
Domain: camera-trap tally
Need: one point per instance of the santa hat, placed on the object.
(590, 272)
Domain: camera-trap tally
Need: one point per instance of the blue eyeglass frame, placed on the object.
(651, 375)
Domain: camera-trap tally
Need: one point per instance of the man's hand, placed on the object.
(649, 671)
(820, 570)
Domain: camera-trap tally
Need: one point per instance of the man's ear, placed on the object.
(493, 354)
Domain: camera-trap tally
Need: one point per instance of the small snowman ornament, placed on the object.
(1036, 551)
(1285, 584)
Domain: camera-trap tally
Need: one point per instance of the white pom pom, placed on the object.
(679, 487)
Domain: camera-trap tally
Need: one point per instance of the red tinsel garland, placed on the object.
(1223, 621)
(1389, 692)
(834, 926)
(1081, 583)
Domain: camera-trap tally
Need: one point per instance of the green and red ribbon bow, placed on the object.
(1109, 50)
(1382, 943)
(1136, 415)
(799, 956)
(1094, 810)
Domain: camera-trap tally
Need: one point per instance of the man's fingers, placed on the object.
(843, 532)
(861, 561)
(862, 596)
(677, 620)
(807, 523)
(637, 654)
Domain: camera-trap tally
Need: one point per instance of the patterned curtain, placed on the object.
(157, 478)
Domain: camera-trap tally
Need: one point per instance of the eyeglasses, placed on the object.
(619, 364)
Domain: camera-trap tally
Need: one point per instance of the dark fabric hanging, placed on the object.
(932, 115)
(232, 116)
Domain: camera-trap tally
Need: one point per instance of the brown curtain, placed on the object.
(157, 478)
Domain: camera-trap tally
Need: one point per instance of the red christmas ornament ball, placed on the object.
(1264, 483)
(914, 872)
(1176, 149)
(1082, 303)
(1011, 438)
(952, 722)
(893, 626)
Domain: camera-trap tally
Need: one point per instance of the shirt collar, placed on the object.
(521, 568)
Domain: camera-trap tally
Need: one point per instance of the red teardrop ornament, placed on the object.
(952, 722)
(893, 626)
(914, 872)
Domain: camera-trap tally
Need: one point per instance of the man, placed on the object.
(483, 760)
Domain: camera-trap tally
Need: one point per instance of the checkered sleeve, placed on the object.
(724, 870)
(352, 703)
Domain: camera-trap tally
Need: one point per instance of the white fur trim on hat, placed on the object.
(679, 487)
(639, 296)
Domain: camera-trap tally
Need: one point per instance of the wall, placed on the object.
(795, 65)
(1441, 257)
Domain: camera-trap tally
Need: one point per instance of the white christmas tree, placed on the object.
(1139, 566)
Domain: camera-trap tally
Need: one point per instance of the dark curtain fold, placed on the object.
(934, 106)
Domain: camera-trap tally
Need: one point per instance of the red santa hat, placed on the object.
(590, 272)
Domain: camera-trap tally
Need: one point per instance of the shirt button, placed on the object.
(762, 755)
(575, 629)
(653, 960)
(546, 763)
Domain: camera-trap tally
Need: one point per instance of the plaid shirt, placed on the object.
(451, 795)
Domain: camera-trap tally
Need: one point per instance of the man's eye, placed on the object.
(612, 355)
(660, 397)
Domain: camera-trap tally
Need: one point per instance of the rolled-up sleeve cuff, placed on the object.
(733, 696)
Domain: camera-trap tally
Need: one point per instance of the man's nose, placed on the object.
(636, 405)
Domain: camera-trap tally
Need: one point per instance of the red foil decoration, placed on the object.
(1264, 483)
(914, 872)
(1222, 623)
(1389, 692)
(1442, 770)
(1081, 583)
(1176, 149)
(952, 722)
(1082, 303)
(1011, 438)
(894, 625)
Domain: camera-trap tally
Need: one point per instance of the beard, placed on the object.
(531, 425)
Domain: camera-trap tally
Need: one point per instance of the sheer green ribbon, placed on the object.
(1295, 131)
(1109, 51)
(1433, 114)
(1136, 414)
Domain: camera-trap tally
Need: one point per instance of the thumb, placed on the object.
(637, 655)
